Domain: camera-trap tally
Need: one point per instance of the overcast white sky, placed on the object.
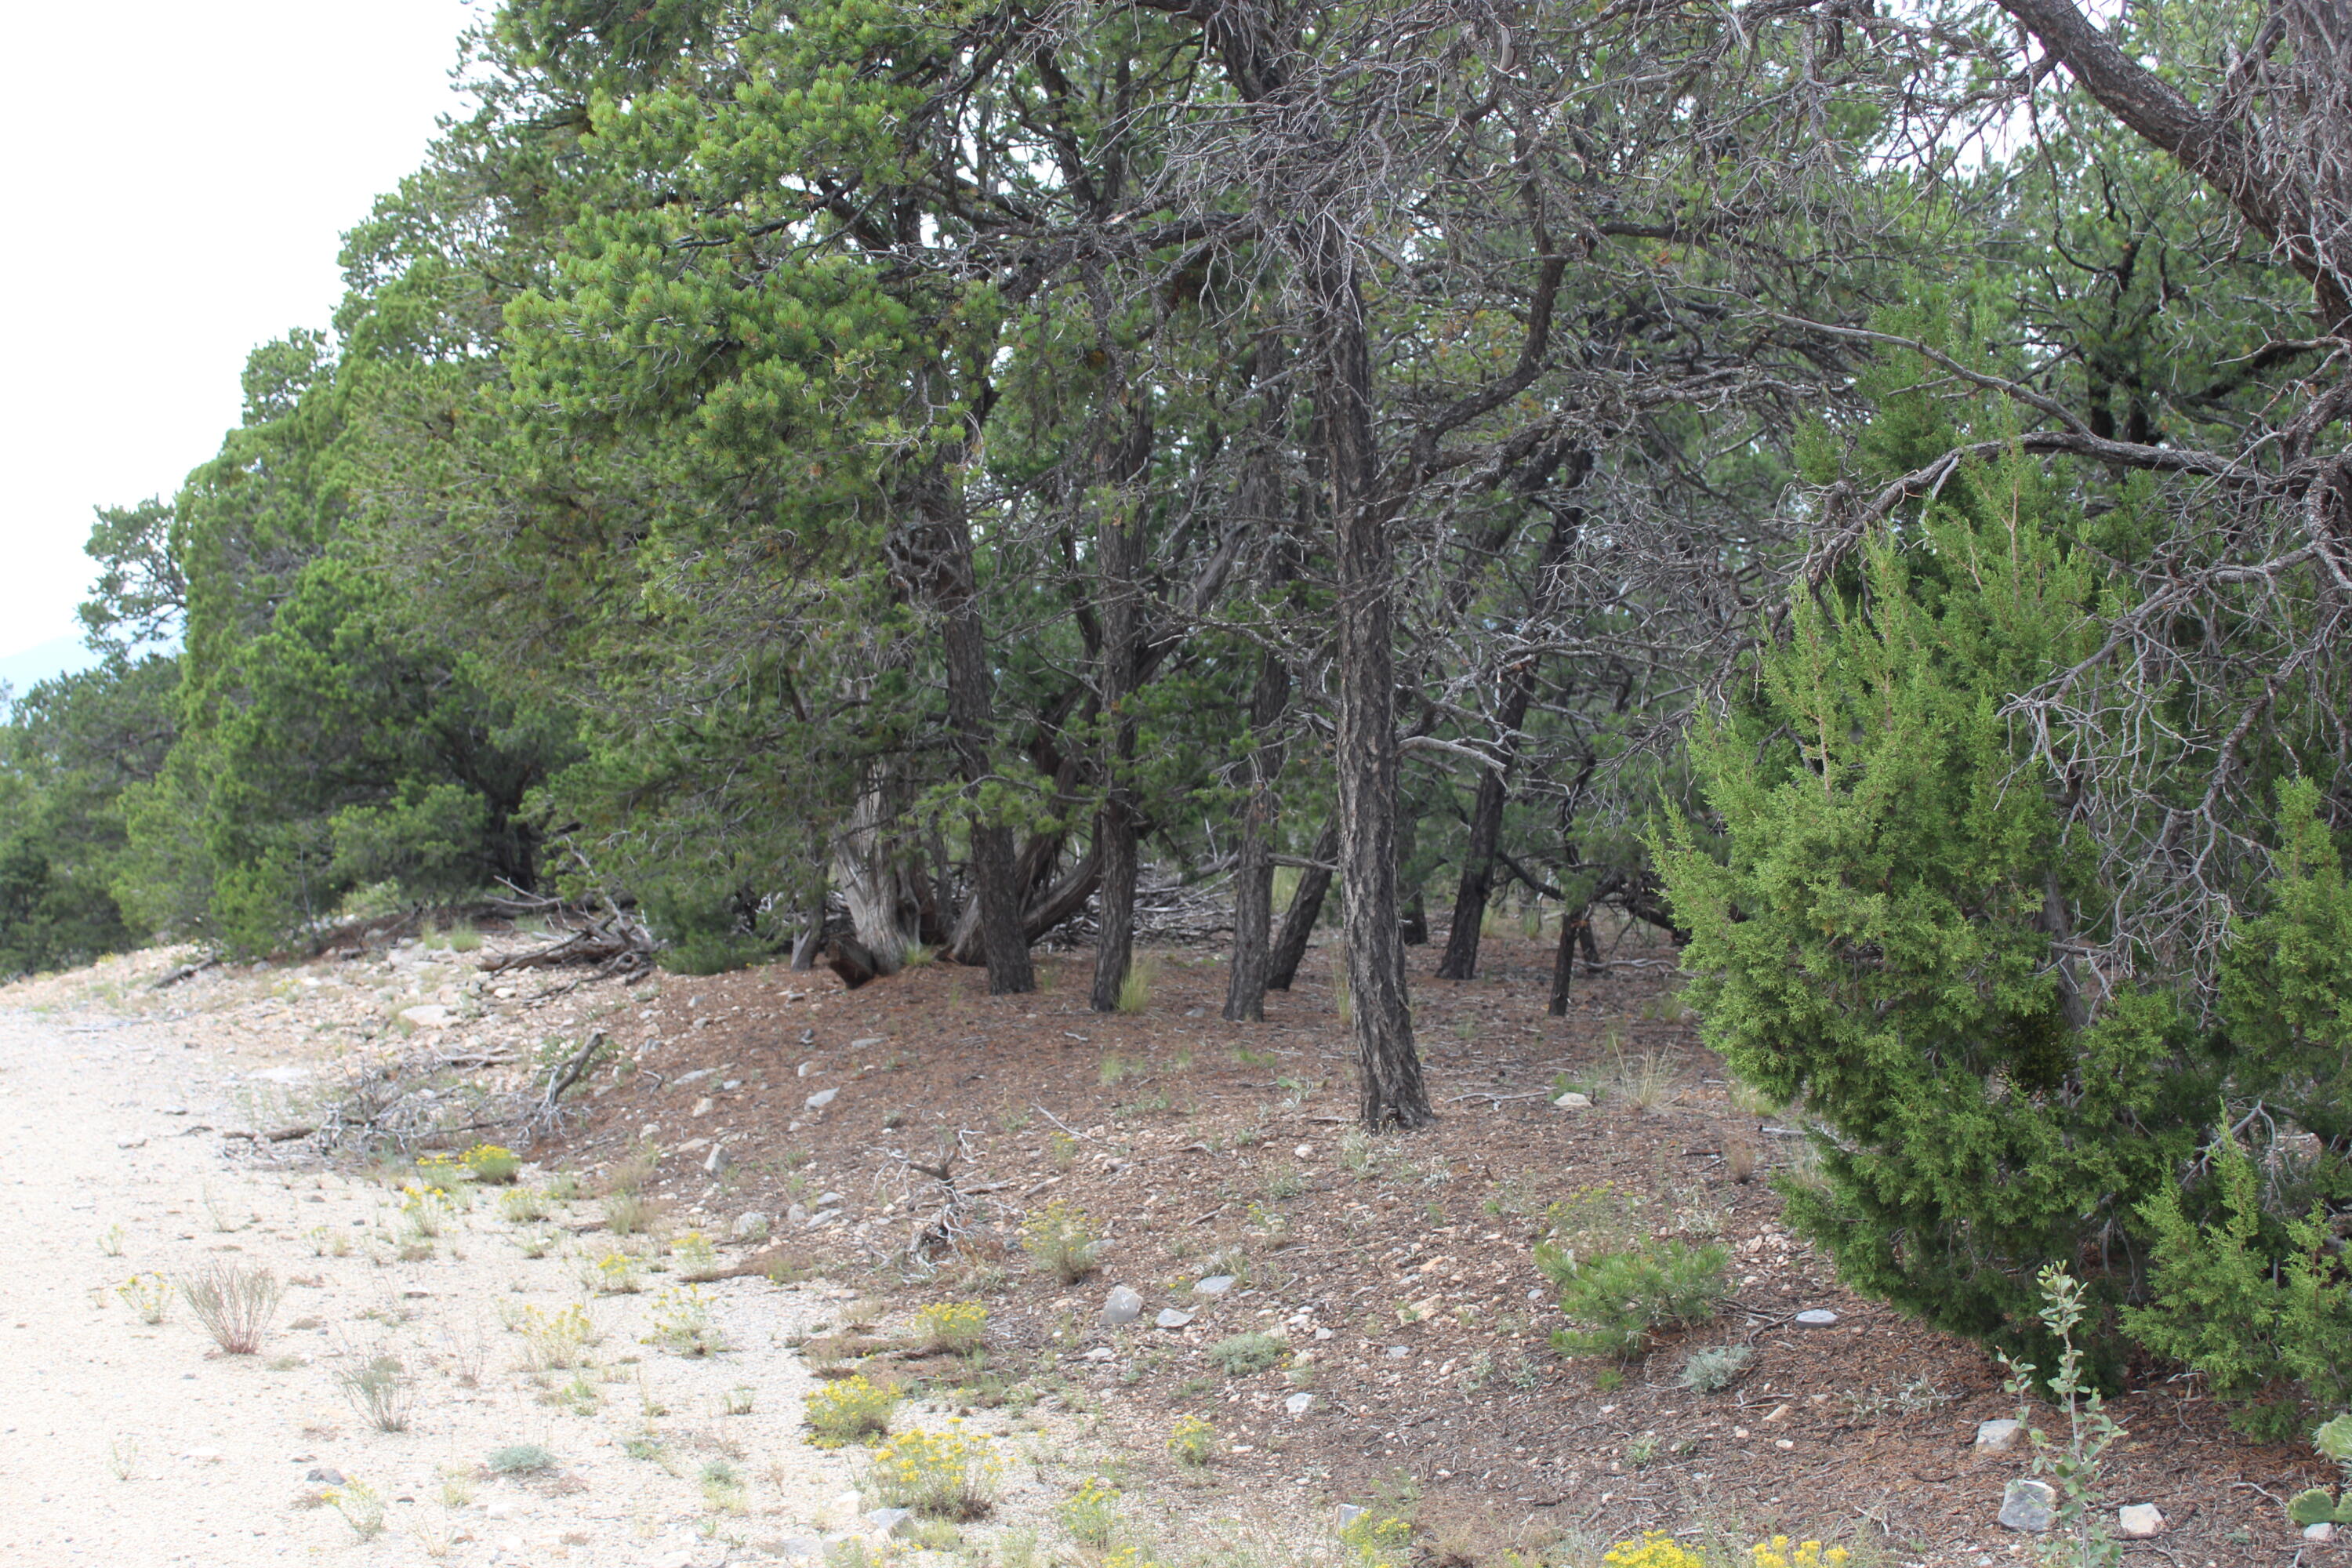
(178, 179)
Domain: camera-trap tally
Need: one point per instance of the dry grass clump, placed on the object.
(234, 1303)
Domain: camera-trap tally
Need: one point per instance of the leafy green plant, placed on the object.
(1193, 1442)
(379, 1387)
(1242, 1354)
(2316, 1505)
(1060, 1239)
(1713, 1370)
(680, 1323)
(491, 1164)
(847, 1411)
(1090, 1515)
(148, 1295)
(1618, 1302)
(556, 1340)
(2073, 1464)
(957, 1327)
(519, 1459)
(952, 1475)
(362, 1507)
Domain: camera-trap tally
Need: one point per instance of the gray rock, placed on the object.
(429, 1015)
(751, 1226)
(797, 1214)
(1214, 1285)
(1102, 1352)
(800, 1549)
(697, 1076)
(1346, 1514)
(1574, 1101)
(821, 1099)
(1399, 1353)
(1169, 1318)
(717, 1161)
(860, 1045)
(888, 1520)
(1817, 1318)
(2322, 1533)
(828, 1200)
(2139, 1521)
(1999, 1437)
(1298, 1404)
(326, 1475)
(1122, 1306)
(2028, 1505)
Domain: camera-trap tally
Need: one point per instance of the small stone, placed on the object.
(1817, 1318)
(2139, 1521)
(1348, 1513)
(130, 1142)
(1122, 1306)
(2322, 1533)
(1195, 1011)
(751, 1226)
(797, 1215)
(1999, 1437)
(1399, 1352)
(1169, 1318)
(1214, 1285)
(1102, 1352)
(821, 1099)
(1322, 1333)
(718, 1161)
(861, 1044)
(803, 1071)
(326, 1475)
(732, 1085)
(2028, 1505)
(799, 1548)
(430, 1015)
(886, 1520)
(1573, 1101)
(828, 1200)
(1305, 1152)
(1298, 1404)
(702, 1106)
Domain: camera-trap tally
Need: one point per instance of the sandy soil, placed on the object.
(126, 1443)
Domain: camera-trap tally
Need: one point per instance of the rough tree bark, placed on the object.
(1118, 547)
(932, 553)
(1246, 976)
(1305, 909)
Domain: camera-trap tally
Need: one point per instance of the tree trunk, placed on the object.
(1575, 930)
(867, 867)
(1245, 979)
(1305, 909)
(1118, 547)
(934, 557)
(1460, 960)
(1391, 1093)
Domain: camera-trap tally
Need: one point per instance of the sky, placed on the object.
(182, 178)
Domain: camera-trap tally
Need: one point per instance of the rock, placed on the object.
(1999, 1437)
(1399, 1352)
(1346, 1514)
(326, 1475)
(2319, 1533)
(1172, 1319)
(1196, 1012)
(2028, 1505)
(1817, 1318)
(751, 1226)
(1298, 1404)
(718, 1161)
(1122, 1306)
(2139, 1521)
(1214, 1285)
(1573, 1101)
(888, 1519)
(429, 1015)
(1322, 1333)
(797, 1214)
(697, 1076)
(860, 1045)
(130, 1142)
(799, 1549)
(1102, 1352)
(828, 1200)
(821, 1099)
(731, 1085)
(702, 1106)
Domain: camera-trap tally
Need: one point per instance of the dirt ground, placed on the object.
(1409, 1366)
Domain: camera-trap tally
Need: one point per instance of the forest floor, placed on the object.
(1405, 1364)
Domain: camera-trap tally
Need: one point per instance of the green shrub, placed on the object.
(1617, 1302)
(949, 1475)
(849, 1411)
(1060, 1239)
(1713, 1370)
(521, 1459)
(1246, 1353)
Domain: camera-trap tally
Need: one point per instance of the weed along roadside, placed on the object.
(858, 1277)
